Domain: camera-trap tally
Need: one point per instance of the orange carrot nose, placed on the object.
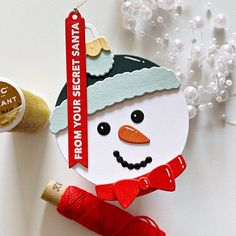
(129, 134)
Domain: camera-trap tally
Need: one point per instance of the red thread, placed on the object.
(102, 217)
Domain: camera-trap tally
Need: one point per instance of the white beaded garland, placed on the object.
(216, 59)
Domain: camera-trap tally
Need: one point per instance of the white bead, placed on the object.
(160, 19)
(190, 93)
(197, 53)
(198, 22)
(229, 82)
(210, 105)
(192, 111)
(166, 4)
(218, 75)
(158, 40)
(172, 59)
(227, 48)
(129, 23)
(200, 88)
(210, 58)
(142, 33)
(191, 74)
(158, 53)
(226, 73)
(177, 29)
(223, 117)
(201, 107)
(136, 5)
(166, 36)
(126, 8)
(231, 64)
(153, 23)
(222, 96)
(219, 99)
(153, 4)
(213, 47)
(220, 21)
(209, 5)
(213, 87)
(214, 41)
(179, 4)
(197, 100)
(180, 75)
(190, 23)
(198, 49)
(221, 80)
(178, 45)
(145, 13)
(177, 16)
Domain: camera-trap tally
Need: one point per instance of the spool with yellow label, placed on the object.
(21, 110)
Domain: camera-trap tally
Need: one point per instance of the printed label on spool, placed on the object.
(10, 104)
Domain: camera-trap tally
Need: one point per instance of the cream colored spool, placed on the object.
(53, 192)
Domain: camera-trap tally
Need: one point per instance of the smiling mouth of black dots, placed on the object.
(131, 166)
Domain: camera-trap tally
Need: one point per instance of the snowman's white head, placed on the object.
(137, 126)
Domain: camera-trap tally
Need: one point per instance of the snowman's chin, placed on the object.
(131, 166)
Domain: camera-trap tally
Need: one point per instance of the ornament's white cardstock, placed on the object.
(166, 123)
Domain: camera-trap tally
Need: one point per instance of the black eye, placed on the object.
(137, 116)
(104, 128)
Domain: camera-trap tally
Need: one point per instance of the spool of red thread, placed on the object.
(96, 214)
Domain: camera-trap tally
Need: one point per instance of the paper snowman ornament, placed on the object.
(137, 127)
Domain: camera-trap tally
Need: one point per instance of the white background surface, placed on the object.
(32, 54)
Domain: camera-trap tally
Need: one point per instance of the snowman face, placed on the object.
(133, 137)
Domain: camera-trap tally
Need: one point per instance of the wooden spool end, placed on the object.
(53, 192)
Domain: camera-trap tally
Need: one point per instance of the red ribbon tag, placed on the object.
(76, 90)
